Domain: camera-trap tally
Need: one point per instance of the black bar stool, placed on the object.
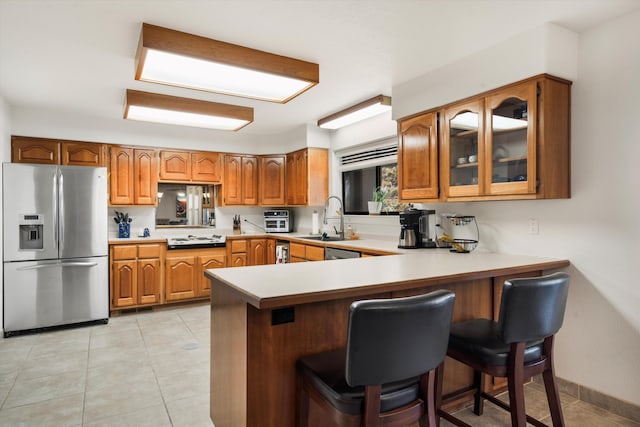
(517, 346)
(387, 372)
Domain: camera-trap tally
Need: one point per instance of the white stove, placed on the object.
(196, 242)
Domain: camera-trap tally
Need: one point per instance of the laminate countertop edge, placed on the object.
(283, 285)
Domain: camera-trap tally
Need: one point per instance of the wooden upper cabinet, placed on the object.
(82, 154)
(510, 140)
(121, 162)
(272, 178)
(462, 157)
(206, 167)
(307, 177)
(232, 183)
(175, 165)
(418, 158)
(35, 150)
(240, 181)
(133, 176)
(508, 143)
(57, 152)
(145, 184)
(190, 166)
(249, 180)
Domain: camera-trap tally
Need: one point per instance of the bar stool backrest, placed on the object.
(532, 309)
(396, 339)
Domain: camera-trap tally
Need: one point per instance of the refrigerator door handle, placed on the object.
(58, 264)
(61, 212)
(55, 209)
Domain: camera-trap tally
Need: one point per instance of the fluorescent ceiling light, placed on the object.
(186, 60)
(469, 121)
(153, 107)
(364, 110)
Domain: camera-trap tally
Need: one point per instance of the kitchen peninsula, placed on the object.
(263, 318)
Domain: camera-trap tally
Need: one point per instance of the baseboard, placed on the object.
(596, 398)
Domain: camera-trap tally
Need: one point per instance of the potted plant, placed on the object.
(375, 205)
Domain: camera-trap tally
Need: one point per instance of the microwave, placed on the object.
(278, 221)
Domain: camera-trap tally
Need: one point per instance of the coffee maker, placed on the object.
(415, 231)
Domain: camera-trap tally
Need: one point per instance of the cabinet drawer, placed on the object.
(124, 252)
(149, 251)
(297, 250)
(315, 253)
(238, 246)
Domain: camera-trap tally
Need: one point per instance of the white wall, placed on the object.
(597, 229)
(58, 124)
(5, 156)
(546, 49)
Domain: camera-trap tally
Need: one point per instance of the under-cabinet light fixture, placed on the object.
(153, 107)
(181, 59)
(364, 110)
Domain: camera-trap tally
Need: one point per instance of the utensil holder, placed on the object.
(124, 230)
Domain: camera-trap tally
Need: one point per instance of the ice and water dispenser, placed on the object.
(31, 232)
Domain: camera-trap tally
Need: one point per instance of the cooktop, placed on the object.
(195, 242)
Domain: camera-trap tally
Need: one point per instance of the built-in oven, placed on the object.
(278, 221)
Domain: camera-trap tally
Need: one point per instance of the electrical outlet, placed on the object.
(533, 226)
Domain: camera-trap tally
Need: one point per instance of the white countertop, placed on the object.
(280, 285)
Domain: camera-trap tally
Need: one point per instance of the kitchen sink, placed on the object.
(323, 239)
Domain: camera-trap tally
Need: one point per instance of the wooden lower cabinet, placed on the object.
(301, 253)
(136, 274)
(180, 273)
(216, 259)
(243, 252)
(184, 272)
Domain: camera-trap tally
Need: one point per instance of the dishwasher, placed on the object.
(334, 253)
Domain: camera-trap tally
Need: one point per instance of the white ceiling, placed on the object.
(77, 57)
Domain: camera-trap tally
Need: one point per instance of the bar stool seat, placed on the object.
(480, 337)
(386, 375)
(518, 346)
(332, 385)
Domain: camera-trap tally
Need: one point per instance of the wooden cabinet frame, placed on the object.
(418, 158)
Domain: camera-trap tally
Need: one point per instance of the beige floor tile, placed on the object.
(184, 384)
(49, 347)
(53, 365)
(190, 412)
(119, 374)
(153, 416)
(117, 354)
(180, 361)
(63, 411)
(581, 414)
(116, 338)
(45, 388)
(121, 399)
(116, 324)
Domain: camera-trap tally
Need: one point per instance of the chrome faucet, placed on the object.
(340, 212)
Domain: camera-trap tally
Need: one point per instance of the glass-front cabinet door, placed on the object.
(463, 161)
(510, 140)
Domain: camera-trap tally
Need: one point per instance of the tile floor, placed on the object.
(152, 369)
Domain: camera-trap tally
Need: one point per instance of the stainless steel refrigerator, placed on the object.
(55, 246)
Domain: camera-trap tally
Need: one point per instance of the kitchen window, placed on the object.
(365, 169)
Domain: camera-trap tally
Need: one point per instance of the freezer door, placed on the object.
(39, 294)
(29, 190)
(83, 211)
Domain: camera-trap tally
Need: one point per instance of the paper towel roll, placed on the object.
(315, 225)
